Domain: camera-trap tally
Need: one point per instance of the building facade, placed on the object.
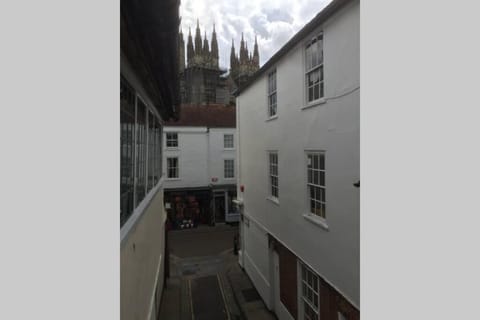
(199, 162)
(298, 185)
(149, 95)
(202, 80)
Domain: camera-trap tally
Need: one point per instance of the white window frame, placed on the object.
(272, 111)
(310, 69)
(225, 169)
(307, 288)
(314, 181)
(147, 161)
(177, 169)
(167, 140)
(273, 176)
(225, 141)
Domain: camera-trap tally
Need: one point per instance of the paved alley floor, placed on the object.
(206, 281)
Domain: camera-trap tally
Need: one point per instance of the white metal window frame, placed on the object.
(169, 140)
(228, 143)
(272, 94)
(227, 170)
(176, 169)
(309, 292)
(273, 175)
(311, 69)
(140, 205)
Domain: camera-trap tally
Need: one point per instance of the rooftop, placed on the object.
(212, 116)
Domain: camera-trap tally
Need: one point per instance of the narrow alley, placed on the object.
(206, 281)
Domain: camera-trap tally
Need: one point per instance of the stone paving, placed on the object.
(235, 286)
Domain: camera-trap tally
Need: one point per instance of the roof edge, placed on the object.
(320, 18)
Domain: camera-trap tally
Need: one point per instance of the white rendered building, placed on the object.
(199, 162)
(298, 124)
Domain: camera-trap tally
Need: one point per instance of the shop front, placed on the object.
(188, 208)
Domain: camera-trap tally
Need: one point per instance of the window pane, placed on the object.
(316, 92)
(308, 59)
(320, 51)
(316, 161)
(311, 79)
(314, 55)
(322, 178)
(141, 150)
(127, 157)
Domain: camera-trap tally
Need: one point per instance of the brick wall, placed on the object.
(331, 302)
(288, 279)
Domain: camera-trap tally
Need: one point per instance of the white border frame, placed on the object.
(304, 44)
(275, 116)
(313, 218)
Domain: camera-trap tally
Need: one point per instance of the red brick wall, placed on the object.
(288, 279)
(331, 302)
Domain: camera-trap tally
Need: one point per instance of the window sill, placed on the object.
(172, 148)
(172, 179)
(314, 103)
(272, 118)
(274, 200)
(138, 212)
(232, 178)
(228, 149)
(321, 222)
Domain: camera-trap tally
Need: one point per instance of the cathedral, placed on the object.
(202, 81)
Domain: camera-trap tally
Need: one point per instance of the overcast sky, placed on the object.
(274, 22)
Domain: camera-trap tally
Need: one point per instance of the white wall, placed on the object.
(201, 153)
(142, 262)
(332, 126)
(192, 157)
(217, 155)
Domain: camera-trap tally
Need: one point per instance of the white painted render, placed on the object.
(201, 155)
(332, 126)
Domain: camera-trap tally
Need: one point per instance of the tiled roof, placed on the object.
(213, 115)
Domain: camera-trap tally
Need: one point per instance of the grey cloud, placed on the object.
(274, 25)
(259, 24)
(278, 15)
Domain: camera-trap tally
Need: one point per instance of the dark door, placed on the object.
(219, 206)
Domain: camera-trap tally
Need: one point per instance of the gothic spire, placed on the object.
(232, 56)
(214, 45)
(181, 51)
(242, 50)
(198, 39)
(190, 51)
(206, 50)
(256, 57)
